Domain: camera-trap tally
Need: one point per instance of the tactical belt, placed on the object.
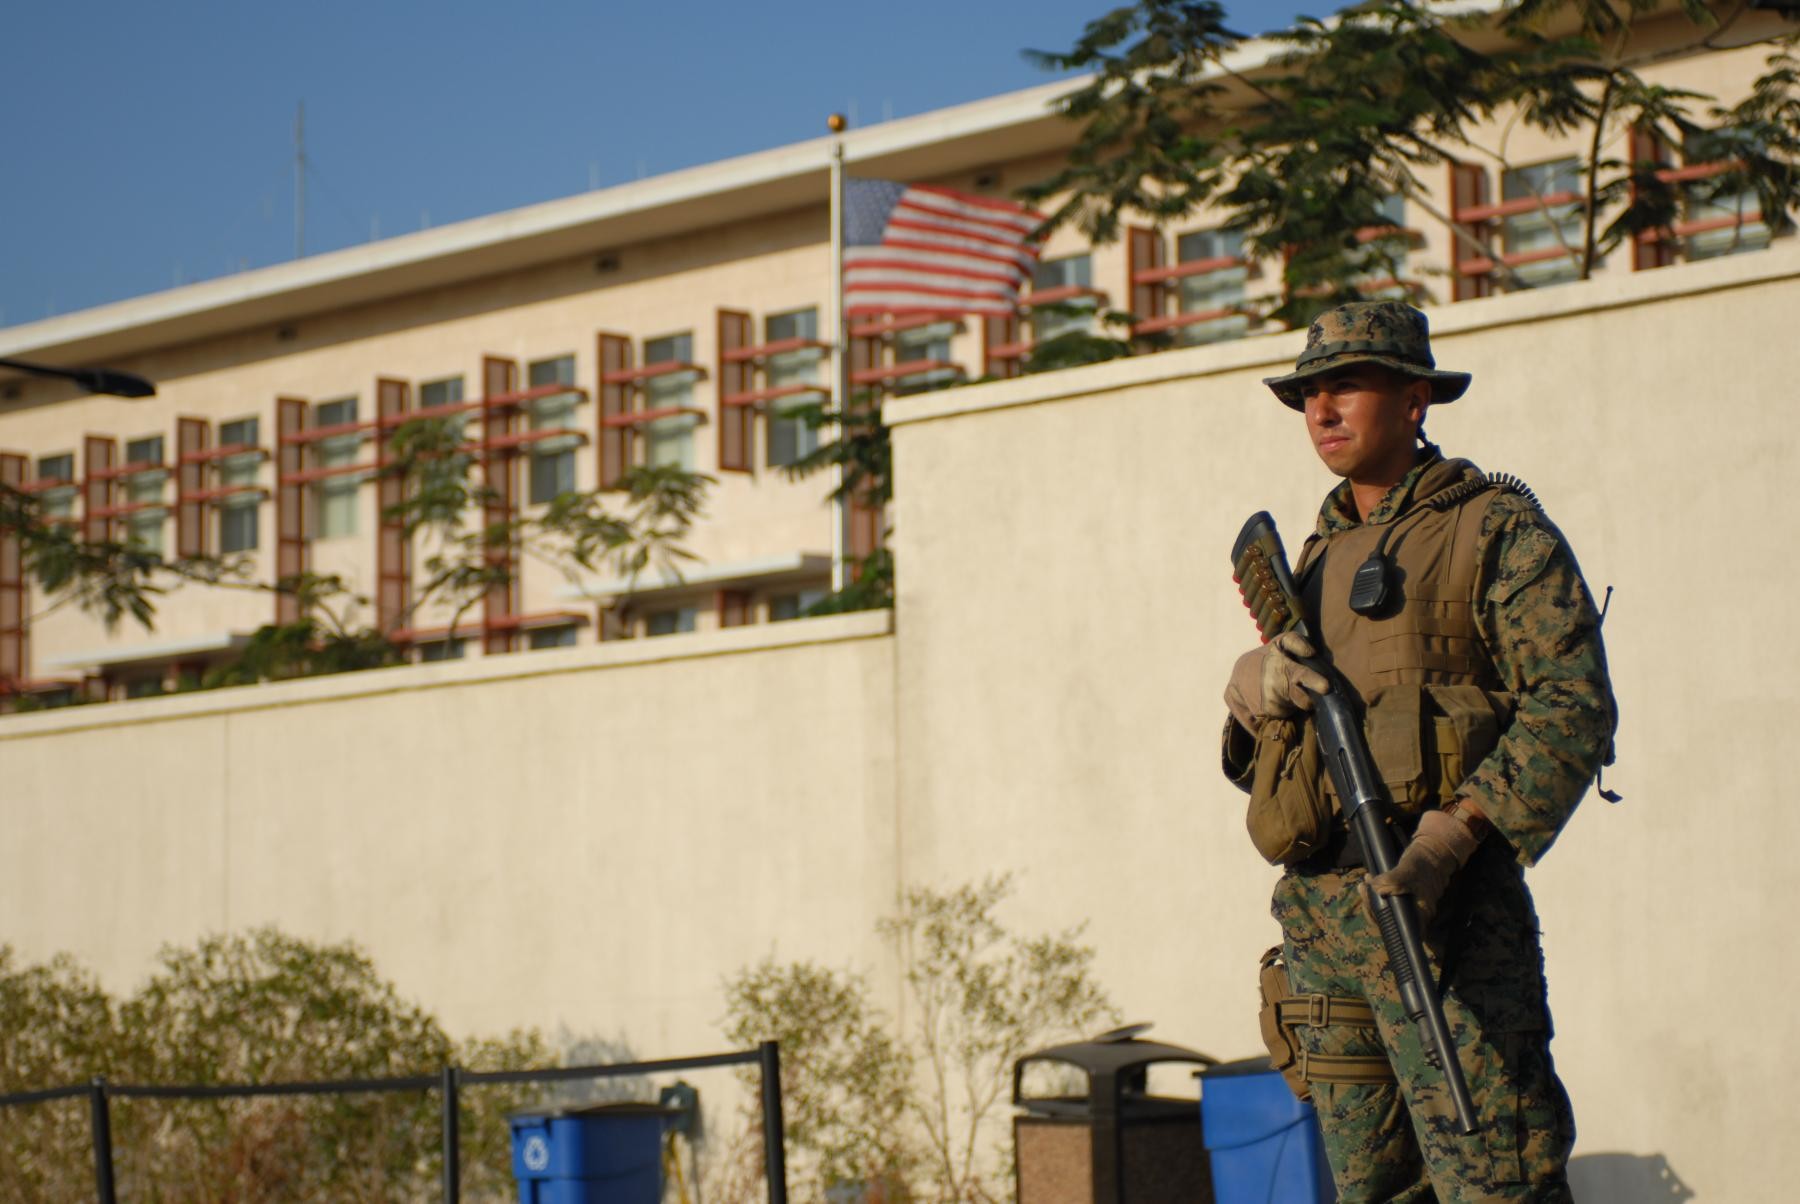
(1283, 1012)
(1324, 1011)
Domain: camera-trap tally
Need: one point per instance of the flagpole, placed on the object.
(840, 359)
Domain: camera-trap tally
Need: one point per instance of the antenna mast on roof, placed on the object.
(300, 181)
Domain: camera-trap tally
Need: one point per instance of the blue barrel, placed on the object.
(1263, 1143)
(610, 1153)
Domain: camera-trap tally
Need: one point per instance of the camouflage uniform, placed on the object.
(1539, 626)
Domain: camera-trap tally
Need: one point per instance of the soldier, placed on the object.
(1489, 712)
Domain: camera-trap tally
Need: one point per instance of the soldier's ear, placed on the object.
(1418, 400)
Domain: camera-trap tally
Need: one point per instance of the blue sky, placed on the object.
(150, 145)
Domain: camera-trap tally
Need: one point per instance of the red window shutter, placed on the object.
(1144, 251)
(393, 560)
(865, 528)
(292, 417)
(192, 437)
(99, 455)
(1469, 240)
(499, 377)
(999, 331)
(615, 402)
(734, 607)
(864, 520)
(864, 355)
(15, 600)
(737, 423)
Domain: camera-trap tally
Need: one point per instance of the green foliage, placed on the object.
(108, 578)
(54, 1018)
(1299, 157)
(916, 1108)
(982, 997)
(845, 1080)
(637, 528)
(304, 648)
(1077, 347)
(661, 503)
(871, 587)
(865, 454)
(261, 1007)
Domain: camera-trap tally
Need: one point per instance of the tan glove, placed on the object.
(1267, 683)
(1442, 845)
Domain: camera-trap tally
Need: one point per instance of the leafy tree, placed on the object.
(913, 1111)
(864, 453)
(259, 1007)
(1302, 156)
(578, 532)
(983, 997)
(845, 1079)
(57, 1026)
(637, 529)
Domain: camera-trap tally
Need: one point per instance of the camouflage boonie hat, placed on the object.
(1391, 333)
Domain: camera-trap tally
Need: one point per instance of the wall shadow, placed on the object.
(1616, 1178)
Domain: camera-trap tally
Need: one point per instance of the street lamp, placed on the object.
(94, 380)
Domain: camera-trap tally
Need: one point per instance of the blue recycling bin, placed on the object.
(1263, 1143)
(611, 1153)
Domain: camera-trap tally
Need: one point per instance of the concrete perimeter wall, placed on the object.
(594, 838)
(1061, 663)
(590, 838)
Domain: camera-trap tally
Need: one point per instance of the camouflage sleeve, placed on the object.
(1543, 631)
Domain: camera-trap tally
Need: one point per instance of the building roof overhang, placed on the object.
(962, 138)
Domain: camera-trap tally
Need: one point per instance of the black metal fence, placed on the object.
(449, 1082)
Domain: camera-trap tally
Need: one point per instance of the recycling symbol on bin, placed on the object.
(536, 1153)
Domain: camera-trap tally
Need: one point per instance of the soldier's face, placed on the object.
(1364, 421)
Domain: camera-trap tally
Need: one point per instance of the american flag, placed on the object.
(918, 248)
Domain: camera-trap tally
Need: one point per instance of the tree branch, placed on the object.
(1592, 220)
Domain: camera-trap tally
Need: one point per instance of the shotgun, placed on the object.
(1260, 569)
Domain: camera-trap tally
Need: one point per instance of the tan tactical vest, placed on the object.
(1435, 707)
(1428, 635)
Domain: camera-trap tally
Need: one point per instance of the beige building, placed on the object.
(677, 320)
(591, 837)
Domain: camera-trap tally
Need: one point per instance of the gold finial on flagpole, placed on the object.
(836, 123)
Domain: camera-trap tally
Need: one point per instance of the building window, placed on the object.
(1075, 314)
(1734, 215)
(669, 441)
(672, 621)
(144, 687)
(925, 344)
(239, 512)
(57, 489)
(144, 487)
(783, 607)
(1218, 292)
(553, 460)
(445, 392)
(1384, 277)
(441, 650)
(551, 637)
(240, 433)
(1549, 233)
(334, 498)
(790, 438)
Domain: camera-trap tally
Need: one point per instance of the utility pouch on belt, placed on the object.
(1289, 815)
(1283, 1012)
